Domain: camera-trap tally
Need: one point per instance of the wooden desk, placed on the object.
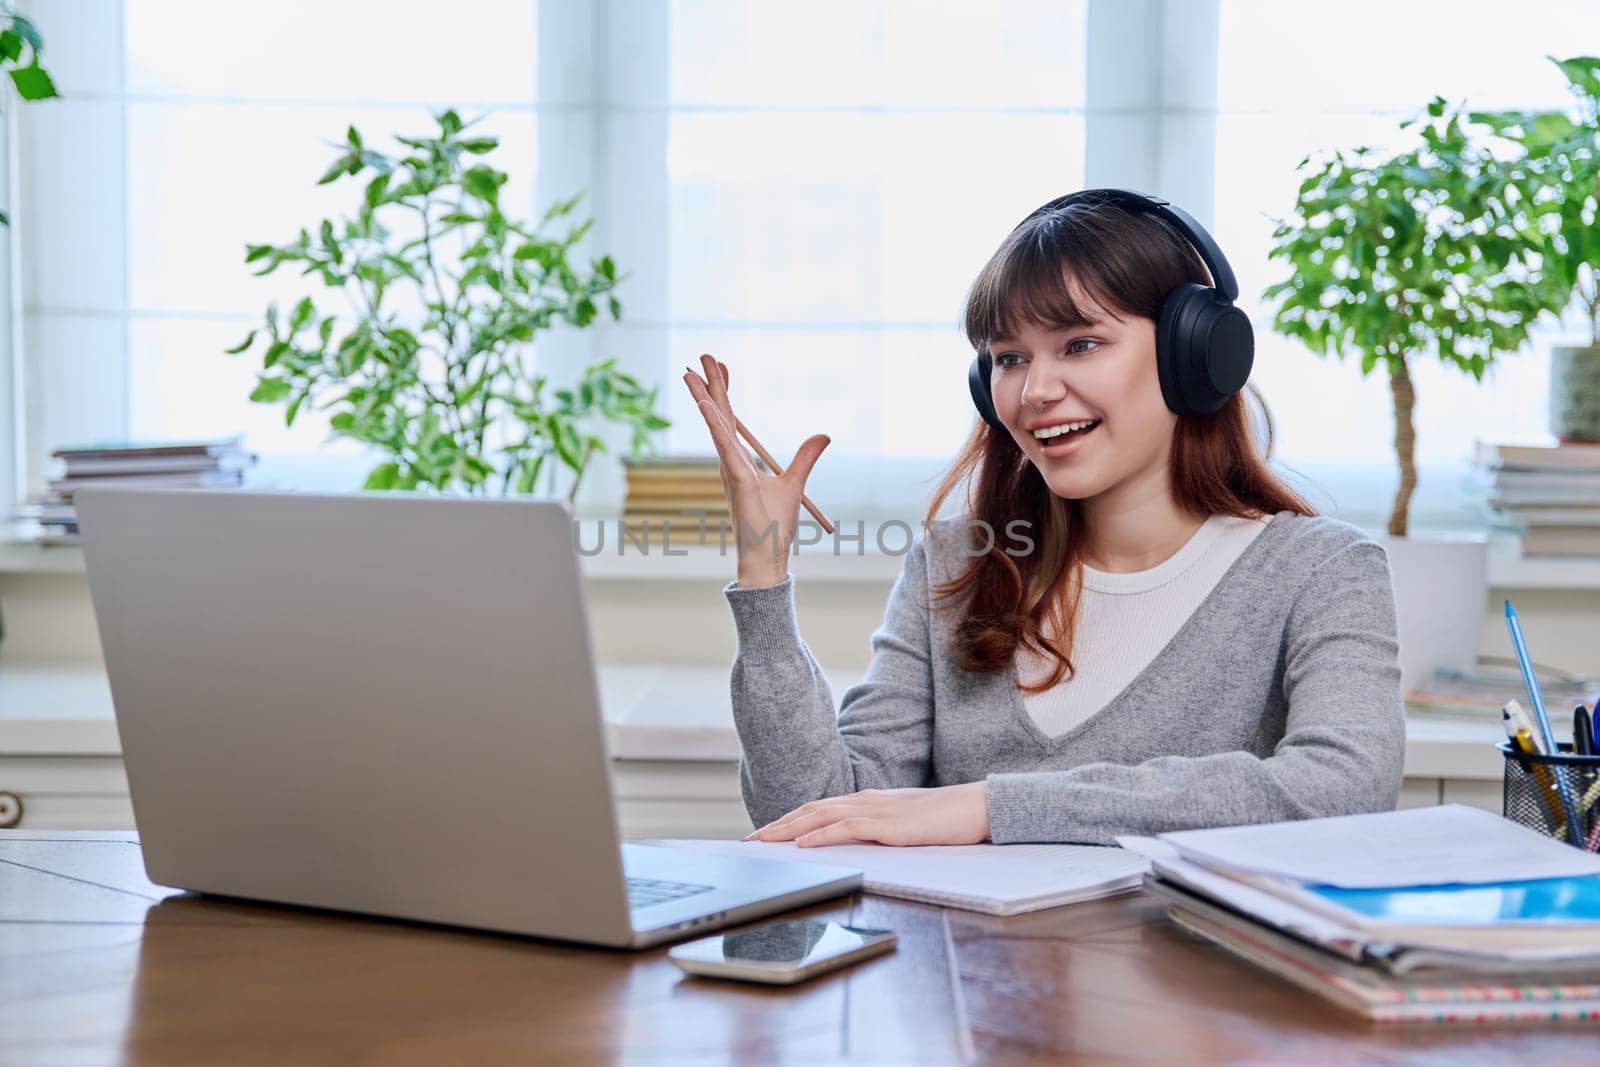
(97, 965)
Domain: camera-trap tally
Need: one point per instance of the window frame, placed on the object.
(602, 101)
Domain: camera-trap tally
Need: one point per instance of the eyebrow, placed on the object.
(1090, 324)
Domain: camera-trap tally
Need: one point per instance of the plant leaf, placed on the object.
(33, 82)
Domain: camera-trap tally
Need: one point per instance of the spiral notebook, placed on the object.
(993, 879)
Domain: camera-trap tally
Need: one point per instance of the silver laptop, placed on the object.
(384, 703)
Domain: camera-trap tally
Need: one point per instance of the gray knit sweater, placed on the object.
(1279, 698)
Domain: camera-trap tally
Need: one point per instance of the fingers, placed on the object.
(807, 816)
(795, 823)
(857, 828)
(717, 385)
(749, 453)
(725, 408)
(734, 461)
(806, 458)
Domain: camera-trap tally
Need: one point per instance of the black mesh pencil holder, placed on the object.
(1532, 793)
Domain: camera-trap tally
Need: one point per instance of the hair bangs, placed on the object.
(1041, 275)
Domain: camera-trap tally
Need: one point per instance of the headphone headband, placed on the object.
(1210, 254)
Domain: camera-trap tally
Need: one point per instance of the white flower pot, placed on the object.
(1441, 587)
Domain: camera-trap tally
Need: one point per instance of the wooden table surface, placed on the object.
(98, 965)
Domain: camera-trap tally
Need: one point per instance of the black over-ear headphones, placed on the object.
(1204, 345)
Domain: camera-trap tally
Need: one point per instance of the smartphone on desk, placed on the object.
(782, 952)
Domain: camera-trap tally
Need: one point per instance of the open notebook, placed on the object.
(994, 879)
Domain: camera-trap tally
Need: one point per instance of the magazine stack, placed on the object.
(1549, 493)
(148, 464)
(1446, 914)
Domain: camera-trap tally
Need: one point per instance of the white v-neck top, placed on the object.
(1125, 620)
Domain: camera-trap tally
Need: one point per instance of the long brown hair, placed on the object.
(1127, 262)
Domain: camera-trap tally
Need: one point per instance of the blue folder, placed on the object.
(1545, 901)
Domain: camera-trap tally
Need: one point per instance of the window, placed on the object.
(806, 194)
(188, 129)
(831, 183)
(836, 180)
(1285, 90)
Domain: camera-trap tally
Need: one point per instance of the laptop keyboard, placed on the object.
(644, 892)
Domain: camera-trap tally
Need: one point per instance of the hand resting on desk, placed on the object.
(946, 815)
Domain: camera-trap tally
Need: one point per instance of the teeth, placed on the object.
(1066, 427)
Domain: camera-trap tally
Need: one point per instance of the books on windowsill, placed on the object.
(1483, 691)
(1549, 493)
(676, 501)
(205, 464)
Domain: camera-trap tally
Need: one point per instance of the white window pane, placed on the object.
(897, 396)
(885, 392)
(885, 53)
(207, 179)
(75, 393)
(836, 182)
(1364, 55)
(183, 385)
(851, 218)
(366, 50)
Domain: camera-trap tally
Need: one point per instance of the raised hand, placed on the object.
(765, 506)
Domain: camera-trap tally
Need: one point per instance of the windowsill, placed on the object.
(652, 712)
(20, 553)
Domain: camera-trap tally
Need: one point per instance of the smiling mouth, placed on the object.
(1060, 439)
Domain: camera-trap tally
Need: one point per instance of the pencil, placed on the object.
(766, 457)
(777, 468)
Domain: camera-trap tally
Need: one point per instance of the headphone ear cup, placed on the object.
(1205, 348)
(982, 399)
(1172, 345)
(1230, 349)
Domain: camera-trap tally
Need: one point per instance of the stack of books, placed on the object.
(1443, 914)
(1483, 691)
(666, 496)
(1551, 493)
(153, 464)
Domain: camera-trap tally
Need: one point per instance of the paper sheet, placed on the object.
(998, 874)
(1449, 844)
(1248, 899)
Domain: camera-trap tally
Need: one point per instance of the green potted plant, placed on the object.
(429, 361)
(1402, 256)
(1560, 181)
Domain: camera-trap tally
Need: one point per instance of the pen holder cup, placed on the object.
(1533, 793)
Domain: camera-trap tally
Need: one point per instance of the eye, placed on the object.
(1072, 346)
(1001, 359)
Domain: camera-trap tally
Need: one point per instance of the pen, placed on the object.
(1535, 696)
(1514, 717)
(1541, 716)
(1582, 732)
(1525, 744)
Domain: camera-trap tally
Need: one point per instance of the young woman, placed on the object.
(1169, 639)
